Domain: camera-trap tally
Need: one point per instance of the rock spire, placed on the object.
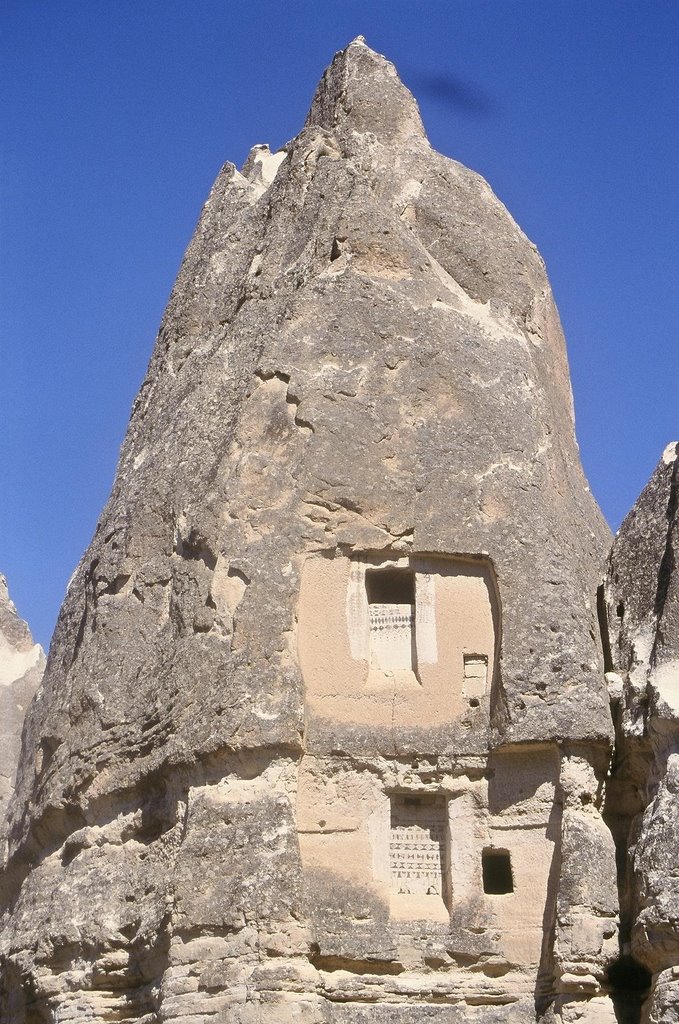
(324, 729)
(642, 629)
(21, 666)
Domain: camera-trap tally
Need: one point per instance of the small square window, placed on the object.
(475, 666)
(497, 872)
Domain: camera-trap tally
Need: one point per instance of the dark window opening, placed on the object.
(391, 604)
(497, 872)
(390, 586)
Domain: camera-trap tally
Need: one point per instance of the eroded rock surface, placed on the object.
(21, 667)
(642, 617)
(324, 729)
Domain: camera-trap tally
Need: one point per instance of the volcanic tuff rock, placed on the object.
(642, 616)
(21, 666)
(324, 728)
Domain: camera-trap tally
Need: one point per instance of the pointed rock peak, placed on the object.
(671, 452)
(361, 92)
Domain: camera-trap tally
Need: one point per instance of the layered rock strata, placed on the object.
(21, 667)
(324, 730)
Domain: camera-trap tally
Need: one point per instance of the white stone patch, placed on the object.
(665, 681)
(14, 664)
(279, 776)
(599, 1010)
(264, 168)
(615, 684)
(670, 454)
(504, 463)
(71, 579)
(642, 648)
(405, 199)
(269, 163)
(256, 264)
(226, 590)
(497, 328)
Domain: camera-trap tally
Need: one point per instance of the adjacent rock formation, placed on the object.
(21, 666)
(324, 731)
(642, 606)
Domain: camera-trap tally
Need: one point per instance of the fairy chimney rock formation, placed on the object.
(324, 728)
(642, 617)
(21, 666)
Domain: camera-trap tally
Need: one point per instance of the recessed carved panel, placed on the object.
(395, 644)
(417, 845)
(392, 636)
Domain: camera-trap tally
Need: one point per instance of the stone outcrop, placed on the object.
(642, 624)
(324, 732)
(21, 666)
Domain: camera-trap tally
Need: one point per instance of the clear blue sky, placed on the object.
(116, 117)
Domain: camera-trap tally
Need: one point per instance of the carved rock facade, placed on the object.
(324, 733)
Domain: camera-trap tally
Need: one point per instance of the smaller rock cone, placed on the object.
(21, 667)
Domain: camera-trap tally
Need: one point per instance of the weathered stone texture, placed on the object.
(641, 609)
(21, 666)
(263, 783)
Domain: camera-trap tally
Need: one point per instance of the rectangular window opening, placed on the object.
(391, 603)
(390, 586)
(418, 855)
(475, 676)
(497, 872)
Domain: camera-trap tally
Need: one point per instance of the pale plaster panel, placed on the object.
(466, 623)
(343, 824)
(333, 801)
(328, 668)
(514, 810)
(379, 823)
(519, 915)
(468, 831)
(343, 853)
(425, 618)
(344, 820)
(456, 614)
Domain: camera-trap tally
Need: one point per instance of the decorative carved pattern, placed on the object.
(391, 635)
(417, 845)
